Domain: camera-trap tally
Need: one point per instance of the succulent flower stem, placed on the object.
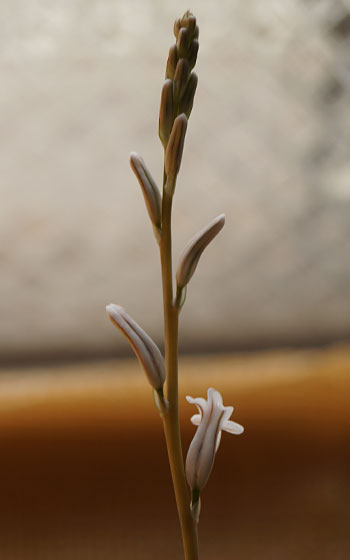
(171, 415)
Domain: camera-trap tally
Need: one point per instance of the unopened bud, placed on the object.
(182, 42)
(180, 78)
(166, 113)
(187, 99)
(173, 154)
(192, 252)
(196, 32)
(145, 349)
(190, 23)
(177, 25)
(185, 20)
(192, 53)
(171, 63)
(149, 188)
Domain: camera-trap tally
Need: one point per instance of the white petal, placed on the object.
(232, 427)
(196, 419)
(200, 403)
(214, 397)
(218, 439)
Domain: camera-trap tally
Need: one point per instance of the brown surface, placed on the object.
(84, 472)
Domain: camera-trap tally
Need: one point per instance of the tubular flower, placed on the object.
(213, 417)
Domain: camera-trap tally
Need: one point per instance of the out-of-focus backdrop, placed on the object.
(83, 467)
(268, 144)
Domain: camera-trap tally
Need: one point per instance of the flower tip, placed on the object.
(183, 119)
(113, 309)
(221, 218)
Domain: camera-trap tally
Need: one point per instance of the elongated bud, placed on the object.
(182, 42)
(177, 25)
(145, 349)
(192, 252)
(171, 63)
(173, 154)
(186, 102)
(181, 77)
(189, 22)
(166, 112)
(192, 53)
(149, 188)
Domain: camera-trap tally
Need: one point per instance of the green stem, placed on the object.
(171, 416)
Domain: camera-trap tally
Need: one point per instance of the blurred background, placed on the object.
(268, 143)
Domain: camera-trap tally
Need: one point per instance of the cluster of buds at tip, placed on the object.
(181, 82)
(145, 349)
(149, 188)
(213, 417)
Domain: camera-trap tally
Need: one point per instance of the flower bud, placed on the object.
(186, 102)
(149, 188)
(180, 78)
(188, 20)
(190, 23)
(192, 252)
(177, 25)
(192, 53)
(182, 42)
(171, 63)
(166, 112)
(145, 349)
(173, 154)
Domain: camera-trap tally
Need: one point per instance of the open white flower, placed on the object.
(213, 417)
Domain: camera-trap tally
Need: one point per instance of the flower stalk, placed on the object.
(162, 373)
(171, 417)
